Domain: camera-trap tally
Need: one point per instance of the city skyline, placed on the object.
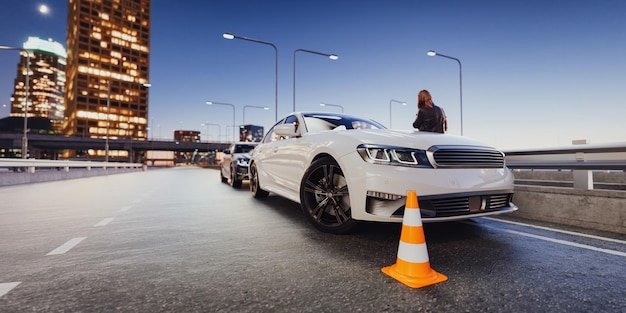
(532, 75)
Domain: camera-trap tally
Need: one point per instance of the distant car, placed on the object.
(235, 163)
(342, 169)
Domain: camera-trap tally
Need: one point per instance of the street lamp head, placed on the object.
(431, 53)
(332, 105)
(397, 101)
(333, 57)
(209, 102)
(228, 36)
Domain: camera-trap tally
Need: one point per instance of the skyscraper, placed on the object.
(46, 82)
(108, 68)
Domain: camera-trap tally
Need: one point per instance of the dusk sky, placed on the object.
(535, 73)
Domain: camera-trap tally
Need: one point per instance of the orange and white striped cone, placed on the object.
(412, 266)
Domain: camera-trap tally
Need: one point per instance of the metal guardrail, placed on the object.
(581, 159)
(31, 164)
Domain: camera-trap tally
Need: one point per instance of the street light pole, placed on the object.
(26, 91)
(330, 56)
(227, 127)
(231, 36)
(219, 130)
(432, 54)
(229, 104)
(27, 87)
(106, 142)
(332, 105)
(390, 102)
(251, 106)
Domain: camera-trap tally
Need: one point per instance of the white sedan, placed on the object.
(343, 169)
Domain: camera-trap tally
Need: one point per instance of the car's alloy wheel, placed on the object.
(255, 188)
(325, 199)
(233, 178)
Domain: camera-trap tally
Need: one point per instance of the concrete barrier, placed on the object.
(548, 196)
(8, 178)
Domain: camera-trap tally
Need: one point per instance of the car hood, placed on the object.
(408, 139)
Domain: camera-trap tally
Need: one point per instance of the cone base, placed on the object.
(430, 278)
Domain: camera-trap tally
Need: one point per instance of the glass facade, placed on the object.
(108, 68)
(46, 78)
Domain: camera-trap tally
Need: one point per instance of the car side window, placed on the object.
(270, 136)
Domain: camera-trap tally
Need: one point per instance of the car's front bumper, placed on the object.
(378, 192)
(242, 172)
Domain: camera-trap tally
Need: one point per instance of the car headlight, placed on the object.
(243, 162)
(390, 155)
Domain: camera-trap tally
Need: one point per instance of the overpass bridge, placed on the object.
(49, 145)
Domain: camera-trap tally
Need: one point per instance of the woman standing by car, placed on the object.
(430, 117)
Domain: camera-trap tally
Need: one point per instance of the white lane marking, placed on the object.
(67, 246)
(124, 209)
(6, 287)
(556, 230)
(569, 243)
(104, 222)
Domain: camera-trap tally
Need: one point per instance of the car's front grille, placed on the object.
(466, 157)
(461, 205)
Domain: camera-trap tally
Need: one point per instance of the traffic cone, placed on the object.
(412, 266)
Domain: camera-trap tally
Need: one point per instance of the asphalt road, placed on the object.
(179, 240)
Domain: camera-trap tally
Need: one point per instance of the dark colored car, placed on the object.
(235, 163)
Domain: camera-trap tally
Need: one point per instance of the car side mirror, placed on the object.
(289, 130)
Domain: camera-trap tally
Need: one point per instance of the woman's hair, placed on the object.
(424, 99)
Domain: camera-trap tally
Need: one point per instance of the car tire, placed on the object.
(255, 188)
(236, 183)
(325, 199)
(224, 179)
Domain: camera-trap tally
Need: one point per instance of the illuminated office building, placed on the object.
(186, 135)
(46, 82)
(107, 68)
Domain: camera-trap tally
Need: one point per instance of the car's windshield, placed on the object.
(243, 148)
(318, 122)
